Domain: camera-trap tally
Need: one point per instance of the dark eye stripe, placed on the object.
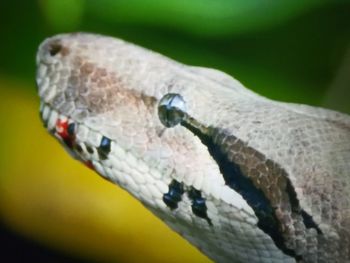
(309, 221)
(255, 197)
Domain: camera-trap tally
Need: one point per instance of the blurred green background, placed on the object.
(52, 209)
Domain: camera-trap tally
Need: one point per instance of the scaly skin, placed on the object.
(241, 177)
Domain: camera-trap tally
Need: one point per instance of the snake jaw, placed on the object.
(60, 127)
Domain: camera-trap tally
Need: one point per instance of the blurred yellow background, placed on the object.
(293, 51)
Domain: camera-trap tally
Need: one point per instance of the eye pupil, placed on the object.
(171, 109)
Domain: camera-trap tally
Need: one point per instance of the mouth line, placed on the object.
(81, 142)
(99, 153)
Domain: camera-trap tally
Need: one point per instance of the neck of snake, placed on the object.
(231, 155)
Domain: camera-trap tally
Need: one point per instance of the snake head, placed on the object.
(111, 95)
(146, 122)
(223, 166)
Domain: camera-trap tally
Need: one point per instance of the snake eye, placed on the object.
(171, 109)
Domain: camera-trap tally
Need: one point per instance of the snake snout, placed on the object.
(53, 47)
(49, 61)
(53, 75)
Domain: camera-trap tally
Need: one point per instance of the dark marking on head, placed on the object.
(104, 148)
(78, 148)
(199, 208)
(309, 222)
(307, 218)
(174, 195)
(255, 197)
(292, 197)
(89, 149)
(244, 169)
(71, 129)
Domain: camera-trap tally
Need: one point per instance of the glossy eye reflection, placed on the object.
(171, 109)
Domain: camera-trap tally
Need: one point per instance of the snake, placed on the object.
(241, 177)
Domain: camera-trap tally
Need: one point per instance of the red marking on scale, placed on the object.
(90, 165)
(62, 131)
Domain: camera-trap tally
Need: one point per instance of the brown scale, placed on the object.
(272, 180)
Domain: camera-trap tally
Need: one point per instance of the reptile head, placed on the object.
(106, 101)
(102, 97)
(192, 144)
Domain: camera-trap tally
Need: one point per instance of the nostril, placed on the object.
(54, 48)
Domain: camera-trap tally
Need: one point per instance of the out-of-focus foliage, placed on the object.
(287, 50)
(63, 14)
(203, 17)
